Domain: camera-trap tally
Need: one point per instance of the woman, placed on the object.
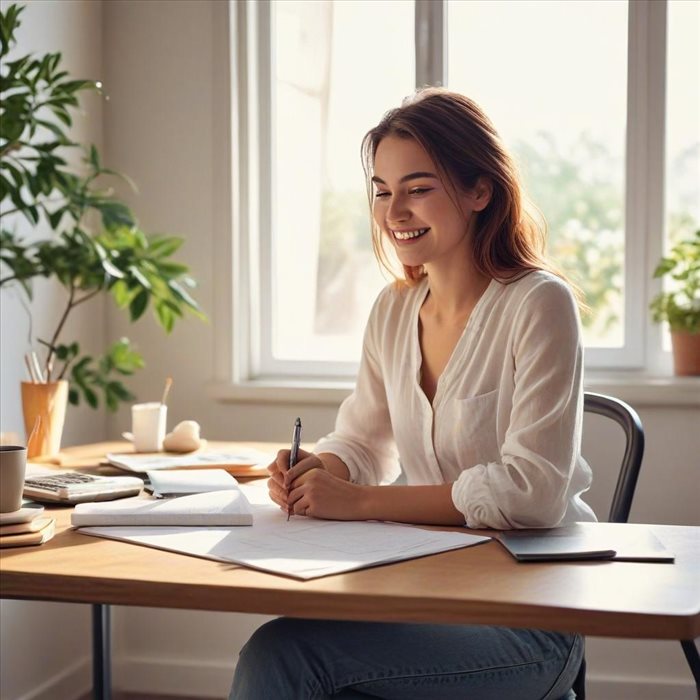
(470, 389)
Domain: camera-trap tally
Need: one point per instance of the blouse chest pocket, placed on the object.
(474, 432)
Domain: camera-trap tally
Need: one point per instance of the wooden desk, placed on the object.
(479, 585)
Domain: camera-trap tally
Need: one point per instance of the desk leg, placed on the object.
(101, 653)
(693, 659)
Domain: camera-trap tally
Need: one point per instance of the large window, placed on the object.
(579, 90)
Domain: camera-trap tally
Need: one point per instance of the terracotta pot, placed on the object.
(686, 352)
(47, 402)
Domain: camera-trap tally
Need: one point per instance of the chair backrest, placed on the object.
(628, 419)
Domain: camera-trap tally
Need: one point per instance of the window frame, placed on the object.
(241, 241)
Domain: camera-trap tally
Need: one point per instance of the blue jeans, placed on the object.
(293, 659)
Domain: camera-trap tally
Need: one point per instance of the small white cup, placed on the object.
(13, 465)
(148, 426)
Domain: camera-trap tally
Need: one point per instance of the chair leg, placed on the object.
(579, 686)
(693, 659)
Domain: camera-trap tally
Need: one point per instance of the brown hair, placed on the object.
(464, 145)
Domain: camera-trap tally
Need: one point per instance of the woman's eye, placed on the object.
(379, 195)
(420, 190)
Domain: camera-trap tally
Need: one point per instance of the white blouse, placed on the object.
(505, 423)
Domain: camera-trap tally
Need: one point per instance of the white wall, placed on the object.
(34, 664)
(162, 61)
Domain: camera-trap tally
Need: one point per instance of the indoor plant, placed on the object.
(95, 245)
(680, 304)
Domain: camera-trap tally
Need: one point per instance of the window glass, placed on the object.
(552, 77)
(683, 120)
(336, 67)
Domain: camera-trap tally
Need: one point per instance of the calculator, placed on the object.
(75, 487)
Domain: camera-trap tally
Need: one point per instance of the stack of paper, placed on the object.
(241, 462)
(202, 509)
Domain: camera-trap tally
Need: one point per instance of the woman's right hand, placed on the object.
(275, 484)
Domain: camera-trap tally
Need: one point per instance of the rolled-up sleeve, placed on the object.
(529, 485)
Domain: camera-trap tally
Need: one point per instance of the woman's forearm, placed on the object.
(429, 505)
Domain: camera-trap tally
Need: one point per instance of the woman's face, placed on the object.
(426, 220)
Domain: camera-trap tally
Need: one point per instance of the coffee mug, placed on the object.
(148, 426)
(13, 465)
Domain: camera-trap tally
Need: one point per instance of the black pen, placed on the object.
(294, 454)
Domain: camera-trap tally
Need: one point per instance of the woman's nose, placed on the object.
(398, 211)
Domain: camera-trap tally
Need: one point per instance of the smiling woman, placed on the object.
(469, 389)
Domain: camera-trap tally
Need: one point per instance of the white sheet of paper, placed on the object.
(303, 548)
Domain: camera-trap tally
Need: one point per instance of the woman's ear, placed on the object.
(481, 194)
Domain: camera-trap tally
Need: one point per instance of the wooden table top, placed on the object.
(479, 585)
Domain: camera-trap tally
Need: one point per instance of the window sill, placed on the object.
(637, 390)
(645, 390)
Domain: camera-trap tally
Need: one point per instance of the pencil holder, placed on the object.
(47, 402)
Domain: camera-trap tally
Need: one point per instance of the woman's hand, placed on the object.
(319, 494)
(276, 485)
(311, 488)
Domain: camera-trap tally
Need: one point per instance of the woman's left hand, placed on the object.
(319, 494)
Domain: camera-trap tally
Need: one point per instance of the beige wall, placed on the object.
(162, 63)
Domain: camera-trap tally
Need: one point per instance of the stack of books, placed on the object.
(26, 526)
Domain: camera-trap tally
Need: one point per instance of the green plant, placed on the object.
(680, 305)
(96, 245)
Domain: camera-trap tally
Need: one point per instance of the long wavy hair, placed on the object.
(464, 145)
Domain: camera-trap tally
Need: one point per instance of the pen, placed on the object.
(294, 454)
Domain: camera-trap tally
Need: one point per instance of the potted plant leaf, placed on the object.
(95, 246)
(679, 306)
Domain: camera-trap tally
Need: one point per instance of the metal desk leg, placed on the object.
(693, 659)
(101, 653)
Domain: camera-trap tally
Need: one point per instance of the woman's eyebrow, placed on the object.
(406, 178)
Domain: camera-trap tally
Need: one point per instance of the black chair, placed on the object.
(621, 504)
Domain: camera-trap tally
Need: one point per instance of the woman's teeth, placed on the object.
(406, 235)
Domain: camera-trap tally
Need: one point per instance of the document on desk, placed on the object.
(303, 548)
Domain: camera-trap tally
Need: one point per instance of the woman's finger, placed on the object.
(276, 489)
(302, 467)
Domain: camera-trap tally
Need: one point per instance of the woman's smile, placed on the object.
(409, 235)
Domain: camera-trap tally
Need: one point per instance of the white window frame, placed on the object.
(242, 367)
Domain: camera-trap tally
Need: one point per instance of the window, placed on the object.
(567, 132)
(326, 88)
(682, 171)
(576, 90)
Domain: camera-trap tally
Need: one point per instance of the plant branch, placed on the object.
(5, 280)
(59, 328)
(87, 297)
(63, 370)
